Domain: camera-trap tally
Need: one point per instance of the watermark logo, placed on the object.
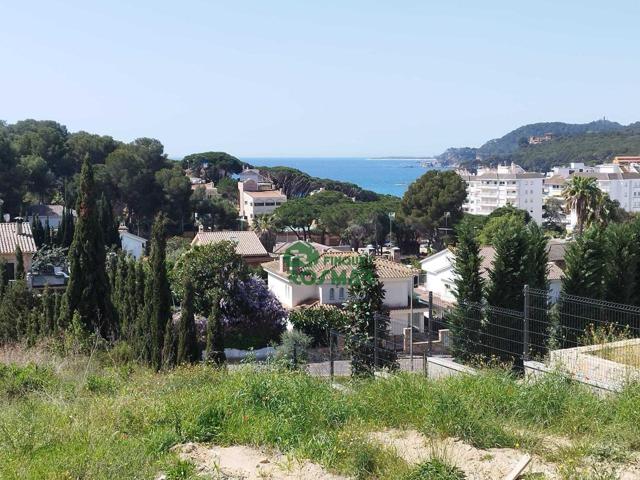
(306, 266)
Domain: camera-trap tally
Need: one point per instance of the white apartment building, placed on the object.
(257, 195)
(620, 180)
(492, 188)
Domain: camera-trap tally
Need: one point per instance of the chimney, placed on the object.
(283, 264)
(18, 225)
(6, 217)
(395, 254)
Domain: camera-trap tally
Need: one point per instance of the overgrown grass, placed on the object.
(80, 421)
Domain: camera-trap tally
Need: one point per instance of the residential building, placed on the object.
(396, 278)
(248, 245)
(492, 188)
(440, 276)
(51, 213)
(13, 234)
(210, 191)
(257, 195)
(620, 180)
(133, 244)
(538, 139)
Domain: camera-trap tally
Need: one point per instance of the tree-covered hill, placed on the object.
(593, 142)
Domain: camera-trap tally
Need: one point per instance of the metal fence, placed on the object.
(591, 340)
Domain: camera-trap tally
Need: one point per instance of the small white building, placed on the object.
(440, 276)
(133, 244)
(327, 290)
(492, 188)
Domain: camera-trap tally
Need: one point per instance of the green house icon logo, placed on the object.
(300, 255)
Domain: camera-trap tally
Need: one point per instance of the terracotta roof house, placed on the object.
(248, 244)
(325, 280)
(13, 234)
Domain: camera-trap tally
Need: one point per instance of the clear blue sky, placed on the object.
(331, 77)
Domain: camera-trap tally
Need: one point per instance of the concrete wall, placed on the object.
(441, 367)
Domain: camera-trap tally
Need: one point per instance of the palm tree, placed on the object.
(583, 196)
(265, 227)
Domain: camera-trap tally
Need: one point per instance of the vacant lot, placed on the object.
(627, 355)
(76, 418)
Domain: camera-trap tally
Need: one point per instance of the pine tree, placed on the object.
(88, 291)
(368, 313)
(215, 333)
(187, 336)
(465, 320)
(20, 273)
(161, 294)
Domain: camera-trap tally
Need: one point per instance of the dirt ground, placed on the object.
(247, 463)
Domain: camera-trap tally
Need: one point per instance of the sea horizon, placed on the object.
(384, 175)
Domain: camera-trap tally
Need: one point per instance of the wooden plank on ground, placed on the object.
(519, 468)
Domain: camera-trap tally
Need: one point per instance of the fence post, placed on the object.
(429, 323)
(525, 331)
(331, 355)
(375, 341)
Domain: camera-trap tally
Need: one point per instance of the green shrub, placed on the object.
(17, 381)
(292, 352)
(318, 321)
(101, 385)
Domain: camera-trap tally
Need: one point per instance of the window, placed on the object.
(10, 271)
(341, 293)
(332, 294)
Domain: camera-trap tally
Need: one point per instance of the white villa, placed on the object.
(257, 195)
(492, 188)
(440, 276)
(397, 280)
(133, 244)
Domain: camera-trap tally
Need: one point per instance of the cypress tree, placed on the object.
(169, 348)
(584, 276)
(37, 231)
(88, 291)
(48, 308)
(4, 279)
(215, 333)
(502, 333)
(108, 223)
(20, 274)
(536, 268)
(47, 237)
(367, 302)
(466, 319)
(161, 294)
(187, 336)
(623, 254)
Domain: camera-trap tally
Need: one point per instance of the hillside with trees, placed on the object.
(591, 143)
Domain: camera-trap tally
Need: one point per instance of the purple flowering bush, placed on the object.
(253, 317)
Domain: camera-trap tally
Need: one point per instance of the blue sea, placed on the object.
(387, 176)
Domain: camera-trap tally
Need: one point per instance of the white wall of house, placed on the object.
(439, 274)
(132, 244)
(290, 294)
